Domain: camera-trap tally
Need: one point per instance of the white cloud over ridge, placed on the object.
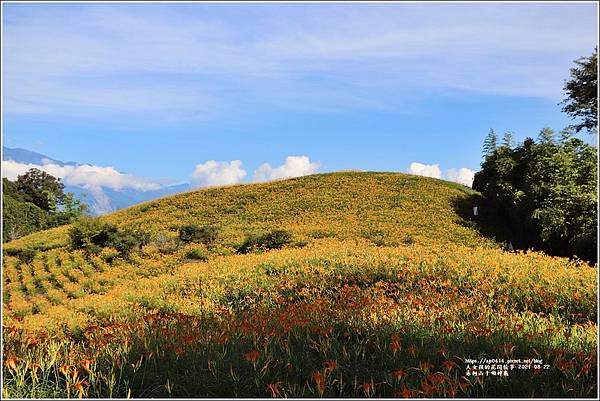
(462, 175)
(85, 175)
(212, 173)
(425, 170)
(294, 166)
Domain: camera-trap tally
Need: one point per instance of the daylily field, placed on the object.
(387, 289)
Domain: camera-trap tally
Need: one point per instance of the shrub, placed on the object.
(193, 233)
(124, 242)
(12, 251)
(318, 234)
(91, 234)
(20, 218)
(166, 245)
(25, 255)
(275, 239)
(196, 254)
(109, 255)
(408, 240)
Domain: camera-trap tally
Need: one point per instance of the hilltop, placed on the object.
(392, 207)
(385, 287)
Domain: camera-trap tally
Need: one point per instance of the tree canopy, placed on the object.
(36, 201)
(41, 189)
(545, 191)
(582, 93)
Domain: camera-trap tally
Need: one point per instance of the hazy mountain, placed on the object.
(27, 156)
(102, 200)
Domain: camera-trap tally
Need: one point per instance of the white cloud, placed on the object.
(218, 173)
(294, 166)
(87, 176)
(426, 170)
(462, 176)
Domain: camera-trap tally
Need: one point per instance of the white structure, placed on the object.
(475, 210)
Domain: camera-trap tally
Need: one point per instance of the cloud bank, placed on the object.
(87, 176)
(211, 173)
(294, 166)
(462, 175)
(426, 170)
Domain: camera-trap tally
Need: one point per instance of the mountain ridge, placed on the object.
(101, 200)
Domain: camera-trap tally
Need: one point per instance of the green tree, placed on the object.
(41, 189)
(508, 139)
(20, 218)
(582, 93)
(546, 193)
(546, 135)
(491, 143)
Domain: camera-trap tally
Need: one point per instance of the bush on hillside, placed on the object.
(92, 235)
(194, 233)
(124, 242)
(20, 218)
(165, 245)
(25, 255)
(196, 254)
(275, 239)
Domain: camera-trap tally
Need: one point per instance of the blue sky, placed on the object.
(158, 90)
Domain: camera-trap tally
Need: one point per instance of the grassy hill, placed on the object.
(386, 288)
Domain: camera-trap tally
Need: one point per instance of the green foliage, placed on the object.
(20, 218)
(165, 245)
(275, 239)
(92, 234)
(41, 189)
(508, 139)
(546, 191)
(124, 242)
(582, 93)
(196, 254)
(193, 233)
(25, 255)
(491, 142)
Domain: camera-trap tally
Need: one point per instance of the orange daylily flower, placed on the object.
(252, 356)
(34, 369)
(405, 393)
(330, 365)
(11, 363)
(86, 363)
(366, 387)
(64, 370)
(399, 374)
(449, 364)
(320, 382)
(274, 388)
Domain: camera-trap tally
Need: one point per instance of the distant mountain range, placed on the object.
(100, 201)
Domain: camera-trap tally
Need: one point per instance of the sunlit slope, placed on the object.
(387, 208)
(386, 287)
